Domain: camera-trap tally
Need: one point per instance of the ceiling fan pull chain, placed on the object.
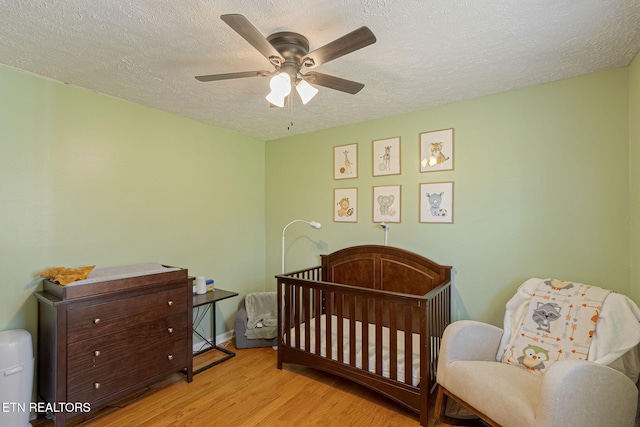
(290, 112)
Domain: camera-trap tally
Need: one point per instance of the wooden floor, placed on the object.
(248, 390)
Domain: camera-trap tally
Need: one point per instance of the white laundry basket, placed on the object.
(16, 377)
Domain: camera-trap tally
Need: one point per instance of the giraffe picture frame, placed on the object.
(345, 161)
(386, 156)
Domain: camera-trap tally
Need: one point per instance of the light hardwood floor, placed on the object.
(248, 390)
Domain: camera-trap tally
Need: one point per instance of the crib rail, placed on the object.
(303, 299)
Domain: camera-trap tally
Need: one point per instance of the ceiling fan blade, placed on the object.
(227, 76)
(333, 82)
(348, 43)
(242, 26)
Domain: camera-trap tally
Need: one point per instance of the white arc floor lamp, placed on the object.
(385, 227)
(313, 224)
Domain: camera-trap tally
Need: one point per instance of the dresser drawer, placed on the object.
(104, 349)
(99, 319)
(127, 372)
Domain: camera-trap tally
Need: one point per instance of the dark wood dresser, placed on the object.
(101, 341)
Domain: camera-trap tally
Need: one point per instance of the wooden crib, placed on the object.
(323, 310)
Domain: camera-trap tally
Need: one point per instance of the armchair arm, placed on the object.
(470, 340)
(598, 394)
(467, 340)
(241, 317)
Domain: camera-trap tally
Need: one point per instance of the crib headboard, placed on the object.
(384, 267)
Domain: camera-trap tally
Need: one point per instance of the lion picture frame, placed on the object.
(345, 205)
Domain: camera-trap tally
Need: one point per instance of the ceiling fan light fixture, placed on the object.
(306, 91)
(276, 99)
(281, 84)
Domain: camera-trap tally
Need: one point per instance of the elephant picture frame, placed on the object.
(387, 203)
(436, 202)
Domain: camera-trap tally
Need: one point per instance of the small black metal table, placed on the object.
(209, 300)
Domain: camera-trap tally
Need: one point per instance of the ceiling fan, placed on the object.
(289, 54)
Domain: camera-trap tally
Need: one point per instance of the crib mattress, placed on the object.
(414, 360)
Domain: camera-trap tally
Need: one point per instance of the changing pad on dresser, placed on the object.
(108, 279)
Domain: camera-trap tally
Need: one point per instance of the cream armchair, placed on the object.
(571, 392)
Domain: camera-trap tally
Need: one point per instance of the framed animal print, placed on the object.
(345, 205)
(386, 156)
(386, 203)
(345, 161)
(436, 150)
(436, 202)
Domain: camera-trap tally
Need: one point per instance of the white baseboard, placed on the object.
(222, 338)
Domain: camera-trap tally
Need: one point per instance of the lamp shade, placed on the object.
(280, 85)
(275, 99)
(306, 91)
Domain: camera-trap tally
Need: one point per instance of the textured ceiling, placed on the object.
(428, 52)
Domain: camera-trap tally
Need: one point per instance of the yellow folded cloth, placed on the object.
(64, 276)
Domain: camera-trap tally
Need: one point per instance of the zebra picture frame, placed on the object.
(386, 156)
(345, 161)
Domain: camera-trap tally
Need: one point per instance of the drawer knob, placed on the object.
(170, 330)
(96, 321)
(96, 385)
(170, 303)
(170, 357)
(96, 353)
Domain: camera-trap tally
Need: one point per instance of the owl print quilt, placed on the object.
(560, 323)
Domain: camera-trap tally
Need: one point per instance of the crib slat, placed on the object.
(340, 327)
(287, 313)
(306, 306)
(329, 324)
(408, 345)
(393, 341)
(352, 330)
(364, 315)
(317, 315)
(379, 320)
(296, 314)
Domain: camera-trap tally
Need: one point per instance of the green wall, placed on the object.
(634, 159)
(541, 189)
(87, 179)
